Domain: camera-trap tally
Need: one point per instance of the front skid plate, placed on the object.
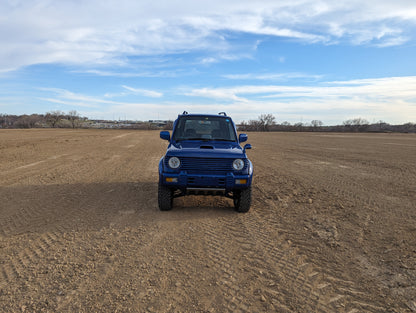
(203, 192)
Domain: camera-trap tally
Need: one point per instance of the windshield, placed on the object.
(204, 128)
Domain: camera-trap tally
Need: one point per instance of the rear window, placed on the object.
(204, 128)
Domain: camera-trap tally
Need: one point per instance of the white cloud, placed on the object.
(143, 92)
(381, 88)
(96, 32)
(223, 94)
(329, 111)
(395, 41)
(128, 91)
(209, 60)
(391, 99)
(69, 98)
(154, 73)
(271, 76)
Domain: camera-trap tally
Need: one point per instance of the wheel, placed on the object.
(165, 198)
(242, 200)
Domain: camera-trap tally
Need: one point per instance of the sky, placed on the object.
(299, 60)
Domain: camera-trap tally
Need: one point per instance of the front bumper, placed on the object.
(185, 181)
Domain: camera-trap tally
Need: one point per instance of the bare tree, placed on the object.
(243, 126)
(255, 125)
(4, 121)
(267, 120)
(74, 118)
(54, 117)
(28, 121)
(298, 126)
(316, 123)
(356, 124)
(408, 128)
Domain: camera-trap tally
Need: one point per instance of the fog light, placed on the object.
(240, 181)
(171, 180)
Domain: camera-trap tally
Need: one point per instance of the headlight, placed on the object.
(174, 162)
(238, 164)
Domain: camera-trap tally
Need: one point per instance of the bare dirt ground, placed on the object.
(332, 227)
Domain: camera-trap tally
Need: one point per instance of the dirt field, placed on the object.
(332, 227)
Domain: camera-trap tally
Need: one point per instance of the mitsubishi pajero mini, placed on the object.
(204, 157)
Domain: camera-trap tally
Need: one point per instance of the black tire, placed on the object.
(242, 200)
(165, 198)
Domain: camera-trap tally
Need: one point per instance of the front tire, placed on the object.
(165, 198)
(242, 200)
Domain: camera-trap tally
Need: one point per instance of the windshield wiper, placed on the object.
(205, 139)
(222, 139)
(199, 138)
(184, 139)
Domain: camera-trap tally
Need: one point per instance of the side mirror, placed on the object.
(165, 135)
(247, 147)
(242, 138)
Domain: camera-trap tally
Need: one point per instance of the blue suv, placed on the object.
(204, 157)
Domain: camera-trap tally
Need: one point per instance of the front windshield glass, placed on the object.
(204, 128)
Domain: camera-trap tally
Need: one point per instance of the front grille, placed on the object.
(207, 165)
(198, 165)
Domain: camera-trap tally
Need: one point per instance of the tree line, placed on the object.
(267, 122)
(52, 119)
(264, 123)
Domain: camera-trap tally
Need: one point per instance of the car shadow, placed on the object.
(92, 206)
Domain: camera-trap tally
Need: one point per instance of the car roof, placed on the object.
(209, 115)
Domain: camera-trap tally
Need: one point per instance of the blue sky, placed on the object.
(299, 60)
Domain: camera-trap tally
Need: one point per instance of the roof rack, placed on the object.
(222, 113)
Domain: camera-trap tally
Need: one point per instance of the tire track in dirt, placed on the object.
(335, 293)
(103, 266)
(286, 281)
(361, 193)
(119, 137)
(317, 183)
(279, 264)
(30, 214)
(20, 266)
(138, 268)
(380, 209)
(36, 208)
(227, 279)
(22, 221)
(363, 180)
(179, 269)
(325, 292)
(61, 268)
(280, 273)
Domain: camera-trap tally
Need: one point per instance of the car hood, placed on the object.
(206, 149)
